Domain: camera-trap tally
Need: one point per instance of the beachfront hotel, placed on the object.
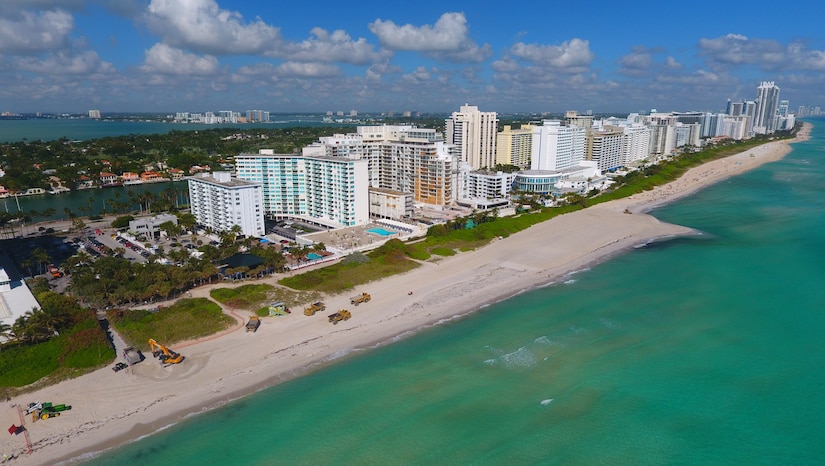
(514, 146)
(474, 134)
(220, 202)
(328, 191)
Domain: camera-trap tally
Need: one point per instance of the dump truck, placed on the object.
(343, 314)
(361, 298)
(314, 307)
(253, 324)
(163, 353)
(132, 356)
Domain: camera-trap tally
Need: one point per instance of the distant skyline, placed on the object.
(209, 55)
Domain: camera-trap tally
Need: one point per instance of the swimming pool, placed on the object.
(380, 231)
(312, 256)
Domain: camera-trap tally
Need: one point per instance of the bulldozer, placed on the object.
(343, 314)
(314, 307)
(163, 353)
(361, 298)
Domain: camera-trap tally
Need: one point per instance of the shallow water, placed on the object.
(705, 349)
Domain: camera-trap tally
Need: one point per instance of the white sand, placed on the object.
(113, 408)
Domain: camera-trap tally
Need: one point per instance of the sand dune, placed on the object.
(113, 408)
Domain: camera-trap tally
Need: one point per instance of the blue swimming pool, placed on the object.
(380, 231)
(312, 256)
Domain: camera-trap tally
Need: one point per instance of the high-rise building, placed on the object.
(332, 191)
(513, 146)
(767, 105)
(474, 135)
(783, 108)
(220, 202)
(557, 147)
(94, 114)
(604, 146)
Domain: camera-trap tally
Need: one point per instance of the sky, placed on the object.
(420, 56)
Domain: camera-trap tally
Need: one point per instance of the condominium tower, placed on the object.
(767, 105)
(474, 135)
(330, 191)
(220, 202)
(557, 147)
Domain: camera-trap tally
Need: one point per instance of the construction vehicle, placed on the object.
(278, 309)
(46, 410)
(132, 356)
(253, 324)
(163, 353)
(314, 307)
(343, 314)
(361, 298)
(56, 273)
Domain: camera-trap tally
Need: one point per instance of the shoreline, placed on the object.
(112, 409)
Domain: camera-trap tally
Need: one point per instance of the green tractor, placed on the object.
(46, 410)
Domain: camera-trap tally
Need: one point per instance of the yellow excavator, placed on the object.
(163, 353)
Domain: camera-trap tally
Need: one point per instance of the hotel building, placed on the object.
(514, 146)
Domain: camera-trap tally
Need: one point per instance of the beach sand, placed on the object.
(110, 408)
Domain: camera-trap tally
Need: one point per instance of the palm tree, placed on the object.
(5, 331)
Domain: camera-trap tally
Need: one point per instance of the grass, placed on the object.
(73, 352)
(256, 297)
(187, 319)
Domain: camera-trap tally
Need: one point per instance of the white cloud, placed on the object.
(32, 32)
(202, 26)
(65, 63)
(573, 56)
(447, 39)
(164, 59)
(335, 47)
(307, 70)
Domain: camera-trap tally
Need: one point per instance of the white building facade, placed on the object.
(220, 202)
(332, 191)
(557, 147)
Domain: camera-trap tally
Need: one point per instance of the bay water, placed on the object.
(699, 350)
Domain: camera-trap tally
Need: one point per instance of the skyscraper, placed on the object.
(474, 135)
(767, 105)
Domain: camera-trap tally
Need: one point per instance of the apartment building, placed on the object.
(331, 191)
(474, 135)
(220, 202)
(604, 146)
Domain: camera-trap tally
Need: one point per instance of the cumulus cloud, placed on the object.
(448, 39)
(202, 26)
(337, 46)
(733, 50)
(307, 70)
(164, 59)
(573, 56)
(33, 32)
(63, 63)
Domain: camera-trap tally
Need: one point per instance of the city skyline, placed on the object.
(199, 55)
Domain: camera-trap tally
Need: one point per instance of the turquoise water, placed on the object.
(701, 350)
(312, 256)
(380, 231)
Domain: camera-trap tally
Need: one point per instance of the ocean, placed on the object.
(698, 350)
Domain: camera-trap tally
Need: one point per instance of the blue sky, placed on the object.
(429, 56)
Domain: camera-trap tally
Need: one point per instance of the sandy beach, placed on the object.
(110, 408)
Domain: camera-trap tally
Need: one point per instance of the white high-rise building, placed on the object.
(474, 135)
(636, 145)
(332, 191)
(767, 106)
(220, 202)
(557, 147)
(95, 114)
